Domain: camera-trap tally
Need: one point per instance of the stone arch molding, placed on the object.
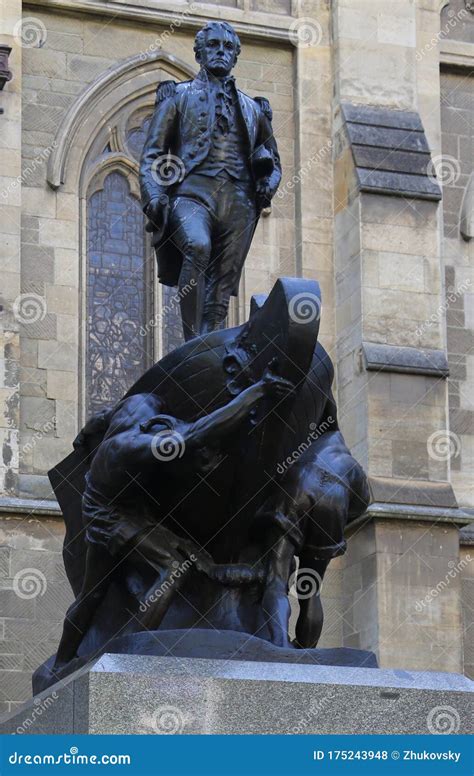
(135, 80)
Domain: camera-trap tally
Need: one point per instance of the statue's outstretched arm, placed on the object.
(210, 429)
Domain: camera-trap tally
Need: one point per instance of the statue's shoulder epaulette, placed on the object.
(265, 106)
(165, 89)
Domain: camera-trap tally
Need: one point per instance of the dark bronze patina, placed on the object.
(210, 164)
(189, 504)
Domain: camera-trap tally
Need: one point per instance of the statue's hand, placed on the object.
(276, 387)
(264, 192)
(97, 424)
(263, 187)
(156, 213)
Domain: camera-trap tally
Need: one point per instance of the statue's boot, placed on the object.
(191, 299)
(213, 318)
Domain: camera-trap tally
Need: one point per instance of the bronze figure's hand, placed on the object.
(157, 212)
(276, 387)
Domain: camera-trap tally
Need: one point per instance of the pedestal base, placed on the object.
(209, 643)
(124, 694)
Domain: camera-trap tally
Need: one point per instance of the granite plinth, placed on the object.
(209, 643)
(125, 694)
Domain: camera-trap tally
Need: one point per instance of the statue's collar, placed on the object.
(207, 77)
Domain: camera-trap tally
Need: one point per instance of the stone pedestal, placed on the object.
(402, 579)
(125, 694)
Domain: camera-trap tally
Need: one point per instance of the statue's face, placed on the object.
(219, 54)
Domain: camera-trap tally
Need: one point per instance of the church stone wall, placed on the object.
(75, 52)
(457, 124)
(383, 265)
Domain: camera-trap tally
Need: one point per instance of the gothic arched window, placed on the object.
(130, 320)
(118, 347)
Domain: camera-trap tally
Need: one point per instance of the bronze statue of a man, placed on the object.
(209, 165)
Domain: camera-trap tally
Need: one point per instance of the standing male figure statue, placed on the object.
(209, 165)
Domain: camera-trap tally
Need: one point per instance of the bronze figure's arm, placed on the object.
(267, 185)
(157, 145)
(210, 429)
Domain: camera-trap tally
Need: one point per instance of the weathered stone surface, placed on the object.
(202, 696)
(390, 152)
(375, 64)
(410, 360)
(421, 492)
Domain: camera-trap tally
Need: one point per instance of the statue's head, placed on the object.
(217, 47)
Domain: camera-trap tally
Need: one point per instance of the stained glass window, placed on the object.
(118, 294)
(136, 136)
(126, 328)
